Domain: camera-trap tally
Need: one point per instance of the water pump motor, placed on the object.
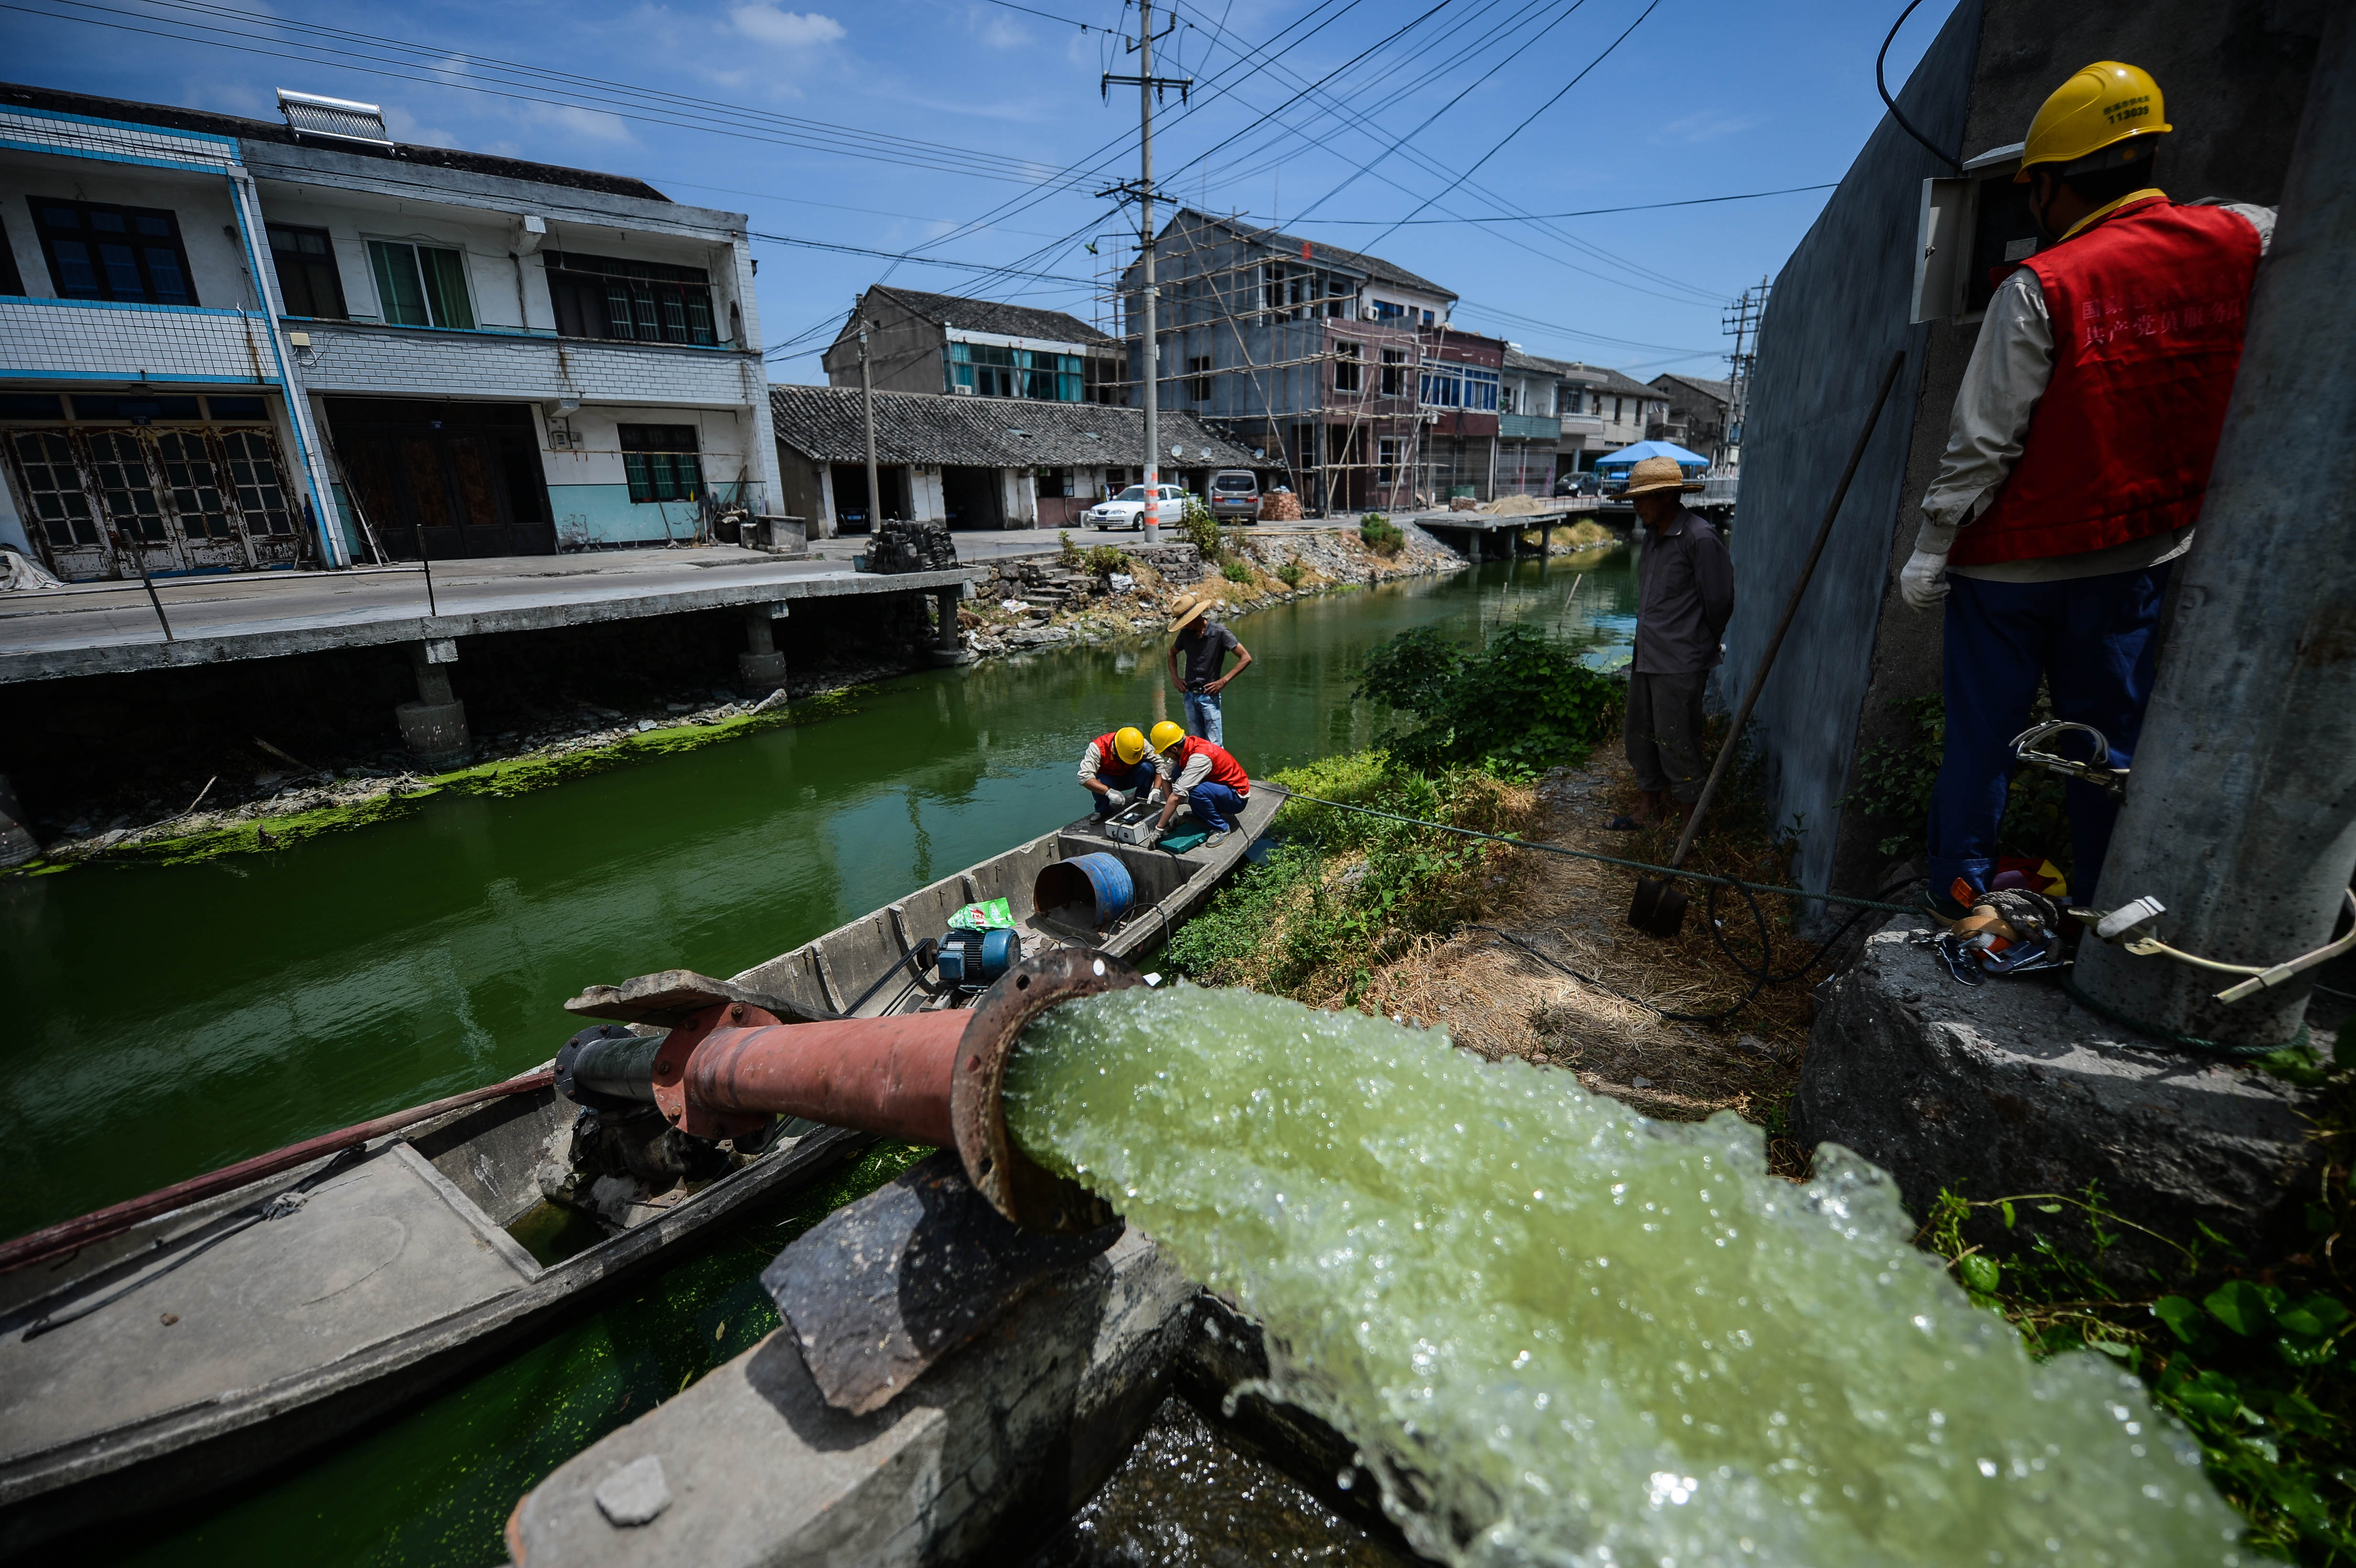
(974, 959)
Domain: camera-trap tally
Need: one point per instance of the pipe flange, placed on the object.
(669, 1074)
(1016, 1187)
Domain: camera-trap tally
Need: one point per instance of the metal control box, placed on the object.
(1135, 824)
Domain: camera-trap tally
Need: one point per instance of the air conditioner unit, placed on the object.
(1369, 313)
(962, 392)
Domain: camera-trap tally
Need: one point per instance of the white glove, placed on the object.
(1117, 796)
(1154, 798)
(1923, 580)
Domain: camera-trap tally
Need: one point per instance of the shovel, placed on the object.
(1659, 909)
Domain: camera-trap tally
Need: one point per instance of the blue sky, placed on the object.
(972, 131)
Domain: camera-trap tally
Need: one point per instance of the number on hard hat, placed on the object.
(1129, 744)
(2100, 118)
(1166, 735)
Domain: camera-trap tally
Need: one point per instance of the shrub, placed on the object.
(1069, 550)
(1236, 570)
(1202, 530)
(1380, 535)
(1289, 575)
(1525, 702)
(1104, 558)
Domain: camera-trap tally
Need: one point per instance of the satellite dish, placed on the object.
(1177, 450)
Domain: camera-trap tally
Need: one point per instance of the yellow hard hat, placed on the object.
(1166, 735)
(2106, 104)
(1129, 743)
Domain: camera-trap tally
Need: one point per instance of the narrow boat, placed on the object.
(171, 1345)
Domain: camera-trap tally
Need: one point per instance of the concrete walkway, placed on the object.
(100, 628)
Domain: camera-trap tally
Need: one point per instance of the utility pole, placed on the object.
(2241, 808)
(1741, 323)
(867, 408)
(1147, 84)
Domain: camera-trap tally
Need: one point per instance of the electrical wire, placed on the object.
(1583, 212)
(1882, 86)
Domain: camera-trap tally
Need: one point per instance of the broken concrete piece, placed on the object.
(635, 1493)
(2008, 1088)
(975, 1460)
(669, 997)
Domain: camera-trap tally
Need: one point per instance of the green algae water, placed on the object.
(168, 1020)
(1561, 1333)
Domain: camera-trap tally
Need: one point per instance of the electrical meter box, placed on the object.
(1134, 825)
(1970, 233)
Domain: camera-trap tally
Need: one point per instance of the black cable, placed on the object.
(1884, 89)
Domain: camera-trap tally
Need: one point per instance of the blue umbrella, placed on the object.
(1629, 456)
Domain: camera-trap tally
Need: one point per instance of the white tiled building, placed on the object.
(230, 344)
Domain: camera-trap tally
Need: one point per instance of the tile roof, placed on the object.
(992, 316)
(1375, 267)
(1718, 391)
(177, 119)
(1594, 376)
(824, 424)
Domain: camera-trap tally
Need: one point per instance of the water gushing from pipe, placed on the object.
(1562, 1333)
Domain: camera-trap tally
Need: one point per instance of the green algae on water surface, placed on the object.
(1563, 1333)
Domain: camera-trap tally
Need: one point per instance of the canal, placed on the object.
(181, 1017)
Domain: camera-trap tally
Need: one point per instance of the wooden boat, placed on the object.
(204, 1343)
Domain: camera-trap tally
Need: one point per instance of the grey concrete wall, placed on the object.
(1839, 311)
(2234, 74)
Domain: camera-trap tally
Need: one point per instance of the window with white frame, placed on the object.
(420, 286)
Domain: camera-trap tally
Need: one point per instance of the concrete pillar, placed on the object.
(18, 843)
(2241, 808)
(435, 726)
(1472, 545)
(947, 648)
(761, 667)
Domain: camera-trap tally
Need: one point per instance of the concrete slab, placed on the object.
(106, 628)
(2009, 1088)
(992, 1446)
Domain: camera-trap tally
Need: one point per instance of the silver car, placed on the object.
(1235, 495)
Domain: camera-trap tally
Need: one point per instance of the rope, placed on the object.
(2170, 1037)
(1669, 871)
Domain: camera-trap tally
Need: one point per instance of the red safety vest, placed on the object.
(2148, 309)
(1225, 769)
(1109, 756)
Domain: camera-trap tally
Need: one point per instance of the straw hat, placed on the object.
(1189, 608)
(1657, 474)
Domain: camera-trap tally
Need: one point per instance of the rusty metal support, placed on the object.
(936, 1078)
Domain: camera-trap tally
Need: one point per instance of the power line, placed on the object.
(1583, 212)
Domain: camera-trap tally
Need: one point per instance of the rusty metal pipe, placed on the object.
(927, 1078)
(889, 1076)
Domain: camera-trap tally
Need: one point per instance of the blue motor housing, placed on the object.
(973, 959)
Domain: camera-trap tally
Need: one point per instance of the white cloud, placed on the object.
(1706, 126)
(763, 21)
(595, 124)
(406, 127)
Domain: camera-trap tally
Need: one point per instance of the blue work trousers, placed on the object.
(1214, 805)
(1203, 716)
(2095, 641)
(1137, 779)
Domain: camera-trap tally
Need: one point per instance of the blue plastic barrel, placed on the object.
(1093, 891)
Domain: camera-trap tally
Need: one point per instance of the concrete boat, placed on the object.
(213, 1340)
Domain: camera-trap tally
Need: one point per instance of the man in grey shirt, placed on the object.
(1685, 595)
(1197, 653)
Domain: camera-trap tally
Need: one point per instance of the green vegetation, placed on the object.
(2251, 1354)
(1289, 575)
(1894, 780)
(1236, 569)
(1345, 893)
(1525, 702)
(1202, 530)
(1102, 559)
(1381, 534)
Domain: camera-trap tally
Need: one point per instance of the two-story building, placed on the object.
(1460, 386)
(233, 343)
(1307, 353)
(977, 348)
(1696, 417)
(1617, 410)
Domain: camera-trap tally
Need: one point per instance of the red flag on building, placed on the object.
(1305, 250)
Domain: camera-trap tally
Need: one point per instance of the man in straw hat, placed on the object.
(1197, 653)
(1685, 595)
(2076, 460)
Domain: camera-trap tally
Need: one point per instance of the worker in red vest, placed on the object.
(1115, 769)
(2076, 460)
(1200, 775)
